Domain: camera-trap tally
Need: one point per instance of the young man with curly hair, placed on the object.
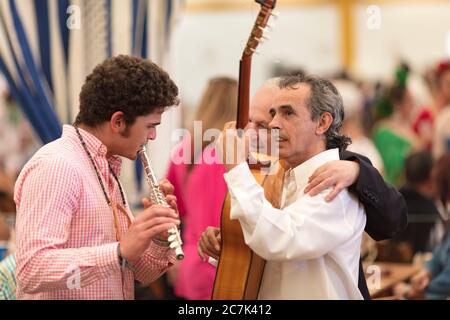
(76, 235)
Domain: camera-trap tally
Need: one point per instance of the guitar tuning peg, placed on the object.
(264, 30)
(262, 39)
(254, 51)
(275, 14)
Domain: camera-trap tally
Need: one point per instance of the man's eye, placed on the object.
(261, 126)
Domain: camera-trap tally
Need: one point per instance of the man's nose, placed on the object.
(152, 134)
(275, 123)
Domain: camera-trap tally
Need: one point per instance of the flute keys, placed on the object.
(174, 245)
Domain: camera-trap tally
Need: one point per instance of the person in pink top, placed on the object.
(76, 235)
(199, 186)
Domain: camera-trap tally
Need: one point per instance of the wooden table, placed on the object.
(381, 277)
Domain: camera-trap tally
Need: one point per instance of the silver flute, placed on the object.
(157, 197)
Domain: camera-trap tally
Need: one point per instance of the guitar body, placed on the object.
(240, 270)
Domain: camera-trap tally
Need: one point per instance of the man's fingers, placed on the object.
(213, 235)
(157, 229)
(203, 247)
(172, 201)
(171, 197)
(219, 237)
(214, 255)
(333, 193)
(208, 250)
(315, 181)
(158, 221)
(166, 187)
(320, 170)
(146, 202)
(325, 184)
(215, 242)
(156, 211)
(200, 251)
(211, 241)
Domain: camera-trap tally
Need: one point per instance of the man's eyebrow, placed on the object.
(154, 124)
(261, 123)
(287, 107)
(284, 107)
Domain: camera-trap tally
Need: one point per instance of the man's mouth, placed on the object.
(140, 148)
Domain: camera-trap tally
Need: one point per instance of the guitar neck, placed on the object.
(245, 66)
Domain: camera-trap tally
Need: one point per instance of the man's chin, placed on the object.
(131, 157)
(282, 155)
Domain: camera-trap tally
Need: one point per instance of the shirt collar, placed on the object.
(95, 147)
(303, 171)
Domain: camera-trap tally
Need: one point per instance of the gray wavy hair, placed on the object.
(324, 98)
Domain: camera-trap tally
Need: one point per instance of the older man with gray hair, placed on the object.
(311, 245)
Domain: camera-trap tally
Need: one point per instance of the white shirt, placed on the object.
(312, 247)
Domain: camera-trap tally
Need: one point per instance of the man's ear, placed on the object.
(118, 121)
(325, 121)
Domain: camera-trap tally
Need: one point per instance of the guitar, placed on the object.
(240, 270)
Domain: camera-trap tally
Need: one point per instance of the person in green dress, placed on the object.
(393, 136)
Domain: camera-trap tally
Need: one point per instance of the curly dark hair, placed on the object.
(124, 83)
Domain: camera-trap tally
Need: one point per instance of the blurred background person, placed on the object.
(393, 136)
(7, 252)
(353, 123)
(433, 281)
(12, 156)
(200, 187)
(442, 128)
(420, 194)
(4, 237)
(8, 282)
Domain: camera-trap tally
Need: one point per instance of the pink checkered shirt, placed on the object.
(66, 239)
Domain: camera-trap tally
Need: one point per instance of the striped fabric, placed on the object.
(7, 278)
(66, 239)
(95, 32)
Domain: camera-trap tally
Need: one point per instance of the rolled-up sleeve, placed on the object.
(153, 263)
(307, 229)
